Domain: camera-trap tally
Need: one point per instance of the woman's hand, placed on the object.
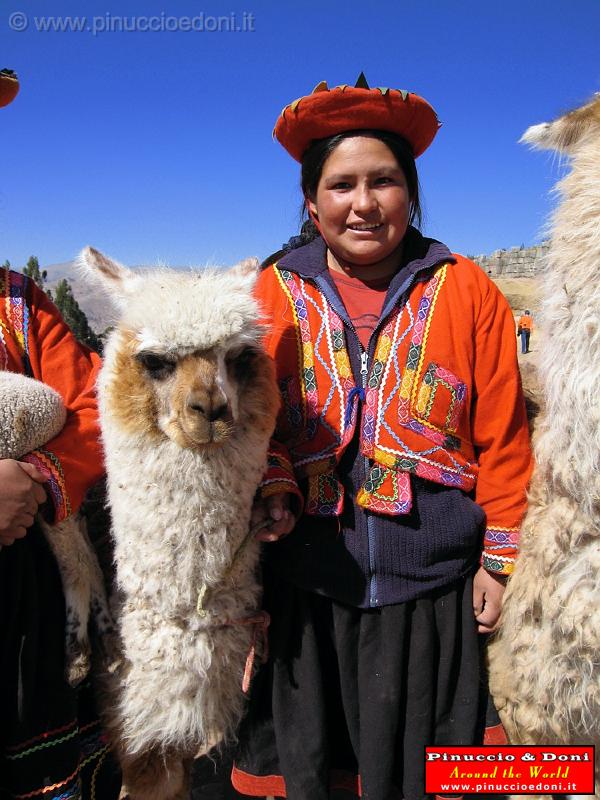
(21, 494)
(276, 508)
(488, 589)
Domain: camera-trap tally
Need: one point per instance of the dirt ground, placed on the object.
(521, 293)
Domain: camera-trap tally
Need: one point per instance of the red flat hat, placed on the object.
(9, 86)
(326, 112)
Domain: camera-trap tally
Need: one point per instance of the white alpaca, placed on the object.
(31, 414)
(188, 401)
(545, 662)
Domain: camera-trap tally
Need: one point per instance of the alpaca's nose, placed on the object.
(218, 412)
(213, 411)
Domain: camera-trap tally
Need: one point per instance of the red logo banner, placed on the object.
(508, 769)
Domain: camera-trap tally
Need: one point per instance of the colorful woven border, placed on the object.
(386, 491)
(279, 476)
(306, 364)
(13, 289)
(325, 493)
(423, 325)
(17, 313)
(93, 748)
(3, 348)
(325, 496)
(42, 741)
(500, 547)
(436, 376)
(49, 465)
(379, 371)
(342, 372)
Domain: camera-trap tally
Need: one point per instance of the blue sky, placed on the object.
(157, 146)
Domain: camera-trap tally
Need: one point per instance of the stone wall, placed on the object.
(518, 262)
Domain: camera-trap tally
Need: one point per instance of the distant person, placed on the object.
(51, 742)
(524, 328)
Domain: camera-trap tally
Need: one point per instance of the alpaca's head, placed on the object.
(567, 132)
(185, 361)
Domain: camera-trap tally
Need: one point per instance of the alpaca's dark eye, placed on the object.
(157, 366)
(242, 363)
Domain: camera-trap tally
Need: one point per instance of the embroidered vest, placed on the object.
(14, 315)
(412, 406)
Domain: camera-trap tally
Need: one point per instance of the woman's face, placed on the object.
(362, 202)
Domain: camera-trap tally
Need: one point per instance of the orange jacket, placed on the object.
(34, 339)
(525, 322)
(443, 399)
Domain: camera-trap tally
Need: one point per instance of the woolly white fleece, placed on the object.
(31, 414)
(178, 516)
(545, 670)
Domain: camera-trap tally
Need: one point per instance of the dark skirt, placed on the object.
(51, 742)
(351, 692)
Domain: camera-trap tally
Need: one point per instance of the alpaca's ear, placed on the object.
(535, 135)
(113, 277)
(545, 136)
(565, 132)
(247, 270)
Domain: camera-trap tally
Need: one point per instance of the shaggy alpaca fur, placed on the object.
(545, 665)
(31, 414)
(188, 401)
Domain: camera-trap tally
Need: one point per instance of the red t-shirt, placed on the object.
(363, 301)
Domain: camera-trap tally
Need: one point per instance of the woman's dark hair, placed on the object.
(313, 162)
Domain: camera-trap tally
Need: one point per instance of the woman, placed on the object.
(398, 468)
(51, 742)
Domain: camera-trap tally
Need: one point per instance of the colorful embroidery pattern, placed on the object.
(343, 372)
(49, 465)
(388, 382)
(386, 491)
(422, 326)
(292, 402)
(385, 355)
(3, 348)
(326, 344)
(44, 740)
(16, 309)
(500, 545)
(397, 396)
(13, 286)
(420, 331)
(280, 475)
(306, 363)
(91, 744)
(325, 495)
(434, 378)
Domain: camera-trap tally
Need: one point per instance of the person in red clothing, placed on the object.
(524, 328)
(397, 473)
(51, 741)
